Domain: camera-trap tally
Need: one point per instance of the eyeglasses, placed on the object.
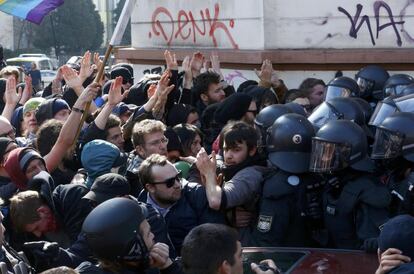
(171, 181)
(11, 133)
(158, 142)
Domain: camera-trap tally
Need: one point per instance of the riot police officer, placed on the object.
(396, 84)
(265, 118)
(120, 237)
(393, 150)
(371, 80)
(342, 87)
(290, 211)
(355, 203)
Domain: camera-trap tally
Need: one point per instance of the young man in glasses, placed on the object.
(148, 138)
(184, 205)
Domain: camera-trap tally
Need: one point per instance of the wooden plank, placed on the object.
(315, 59)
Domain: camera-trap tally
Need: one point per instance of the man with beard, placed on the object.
(208, 90)
(183, 204)
(242, 173)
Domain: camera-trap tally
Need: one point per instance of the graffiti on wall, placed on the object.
(383, 18)
(185, 26)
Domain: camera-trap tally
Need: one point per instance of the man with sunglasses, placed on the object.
(184, 205)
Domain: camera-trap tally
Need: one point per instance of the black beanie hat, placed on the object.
(178, 114)
(232, 108)
(174, 142)
(124, 72)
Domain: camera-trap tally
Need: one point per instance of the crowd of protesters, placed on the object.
(171, 162)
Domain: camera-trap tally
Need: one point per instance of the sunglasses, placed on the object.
(171, 181)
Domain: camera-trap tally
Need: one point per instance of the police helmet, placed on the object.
(338, 145)
(266, 117)
(112, 231)
(395, 137)
(336, 109)
(289, 143)
(370, 79)
(299, 109)
(365, 106)
(396, 84)
(341, 87)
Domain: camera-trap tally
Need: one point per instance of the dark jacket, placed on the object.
(70, 209)
(89, 268)
(189, 211)
(356, 210)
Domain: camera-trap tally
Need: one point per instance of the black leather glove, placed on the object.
(370, 245)
(41, 254)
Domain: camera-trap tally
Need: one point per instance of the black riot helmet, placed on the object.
(338, 145)
(396, 84)
(336, 109)
(112, 231)
(289, 143)
(299, 109)
(266, 117)
(371, 79)
(366, 108)
(341, 87)
(395, 137)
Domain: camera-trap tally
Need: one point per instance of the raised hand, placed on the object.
(72, 79)
(196, 63)
(205, 165)
(90, 92)
(10, 94)
(151, 90)
(97, 60)
(86, 69)
(163, 89)
(115, 95)
(188, 75)
(265, 74)
(215, 64)
(27, 91)
(171, 60)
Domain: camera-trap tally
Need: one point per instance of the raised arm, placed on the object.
(68, 133)
(115, 96)
(207, 168)
(11, 98)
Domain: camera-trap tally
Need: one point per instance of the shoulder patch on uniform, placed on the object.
(265, 223)
(293, 180)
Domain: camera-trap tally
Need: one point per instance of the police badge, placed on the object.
(265, 223)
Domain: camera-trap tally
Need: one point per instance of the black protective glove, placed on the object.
(370, 245)
(41, 254)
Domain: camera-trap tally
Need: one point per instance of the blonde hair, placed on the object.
(144, 127)
(10, 70)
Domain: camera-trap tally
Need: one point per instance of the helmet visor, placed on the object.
(334, 91)
(388, 144)
(405, 103)
(323, 114)
(328, 156)
(382, 111)
(395, 90)
(364, 85)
